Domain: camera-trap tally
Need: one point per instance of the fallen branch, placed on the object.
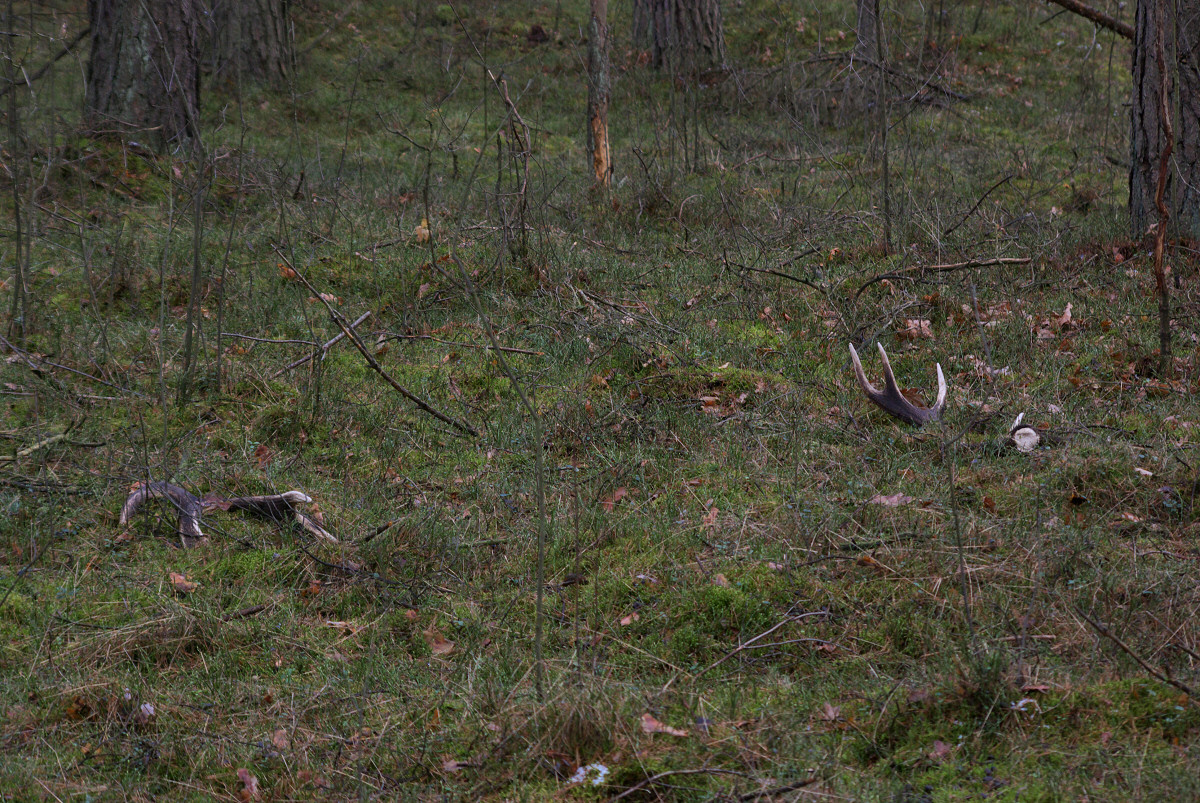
(28, 450)
(374, 363)
(656, 778)
(486, 346)
(324, 348)
(904, 273)
(1098, 17)
(779, 790)
(244, 612)
(1108, 634)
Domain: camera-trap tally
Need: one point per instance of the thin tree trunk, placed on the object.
(192, 327)
(1160, 203)
(19, 313)
(599, 90)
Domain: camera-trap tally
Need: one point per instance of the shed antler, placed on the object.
(890, 398)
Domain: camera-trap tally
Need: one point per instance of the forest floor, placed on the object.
(754, 585)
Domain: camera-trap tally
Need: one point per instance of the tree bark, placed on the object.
(683, 34)
(1187, 155)
(599, 90)
(1146, 130)
(866, 29)
(144, 71)
(1148, 139)
(250, 39)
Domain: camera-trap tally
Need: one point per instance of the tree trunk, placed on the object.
(681, 34)
(866, 29)
(1147, 140)
(599, 90)
(1187, 153)
(251, 39)
(144, 71)
(1146, 129)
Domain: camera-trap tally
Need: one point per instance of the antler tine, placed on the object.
(891, 399)
(187, 506)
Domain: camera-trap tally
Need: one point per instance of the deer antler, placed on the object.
(187, 505)
(890, 398)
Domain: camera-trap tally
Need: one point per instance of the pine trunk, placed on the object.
(681, 34)
(866, 29)
(143, 75)
(251, 40)
(1187, 137)
(599, 90)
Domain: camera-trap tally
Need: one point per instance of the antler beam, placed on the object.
(892, 400)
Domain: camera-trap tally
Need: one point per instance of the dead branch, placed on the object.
(1108, 634)
(66, 49)
(653, 779)
(1099, 17)
(904, 273)
(374, 363)
(324, 347)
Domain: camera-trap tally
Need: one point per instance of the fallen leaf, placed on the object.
(452, 765)
(720, 580)
(280, 739)
(262, 455)
(1144, 472)
(611, 500)
(438, 644)
(181, 584)
(895, 500)
(421, 232)
(626, 621)
(249, 790)
(915, 329)
(941, 751)
(286, 272)
(830, 712)
(652, 725)
(422, 290)
(710, 519)
(1065, 318)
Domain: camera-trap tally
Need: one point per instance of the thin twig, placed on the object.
(374, 363)
(656, 778)
(779, 790)
(66, 49)
(324, 347)
(1108, 634)
(982, 198)
(487, 346)
(746, 645)
(28, 450)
